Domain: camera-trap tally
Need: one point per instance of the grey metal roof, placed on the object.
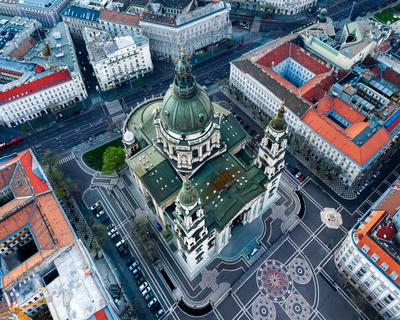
(81, 13)
(292, 102)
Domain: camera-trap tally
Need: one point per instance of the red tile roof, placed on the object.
(23, 48)
(101, 315)
(340, 138)
(288, 49)
(34, 86)
(44, 216)
(364, 238)
(392, 76)
(119, 17)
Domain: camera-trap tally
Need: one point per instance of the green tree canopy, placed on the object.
(113, 159)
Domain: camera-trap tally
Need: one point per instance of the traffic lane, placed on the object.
(119, 267)
(124, 222)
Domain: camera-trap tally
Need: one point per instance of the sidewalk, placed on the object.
(340, 189)
(84, 147)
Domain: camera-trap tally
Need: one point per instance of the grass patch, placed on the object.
(167, 234)
(388, 15)
(94, 157)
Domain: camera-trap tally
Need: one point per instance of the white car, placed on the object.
(159, 313)
(146, 291)
(100, 213)
(152, 301)
(120, 243)
(111, 231)
(95, 205)
(298, 174)
(143, 286)
(133, 265)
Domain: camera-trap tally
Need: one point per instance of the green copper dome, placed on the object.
(278, 122)
(186, 107)
(187, 196)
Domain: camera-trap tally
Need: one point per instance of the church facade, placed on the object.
(191, 160)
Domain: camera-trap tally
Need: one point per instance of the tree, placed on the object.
(50, 158)
(113, 159)
(145, 236)
(100, 234)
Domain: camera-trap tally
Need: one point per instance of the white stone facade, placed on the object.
(26, 99)
(379, 289)
(192, 31)
(48, 100)
(268, 102)
(286, 7)
(116, 60)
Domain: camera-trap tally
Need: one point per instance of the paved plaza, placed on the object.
(291, 276)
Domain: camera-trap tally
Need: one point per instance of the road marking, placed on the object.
(66, 159)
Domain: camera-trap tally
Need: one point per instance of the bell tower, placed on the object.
(272, 150)
(190, 227)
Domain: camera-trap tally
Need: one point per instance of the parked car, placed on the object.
(122, 247)
(140, 280)
(110, 226)
(152, 301)
(159, 313)
(120, 243)
(146, 291)
(100, 214)
(159, 227)
(95, 205)
(135, 271)
(130, 261)
(133, 265)
(295, 171)
(143, 286)
(138, 274)
(301, 177)
(149, 296)
(298, 174)
(124, 252)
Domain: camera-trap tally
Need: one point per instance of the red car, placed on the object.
(301, 178)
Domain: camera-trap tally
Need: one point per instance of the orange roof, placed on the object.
(289, 49)
(341, 108)
(55, 219)
(27, 265)
(341, 138)
(41, 211)
(365, 239)
(119, 17)
(391, 203)
(356, 128)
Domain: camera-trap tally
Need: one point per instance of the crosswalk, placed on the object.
(66, 159)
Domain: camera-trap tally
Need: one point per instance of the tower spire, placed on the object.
(184, 82)
(187, 195)
(278, 122)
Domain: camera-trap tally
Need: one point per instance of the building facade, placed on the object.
(47, 12)
(194, 30)
(50, 81)
(18, 36)
(78, 18)
(116, 60)
(45, 269)
(349, 133)
(368, 257)
(284, 7)
(189, 158)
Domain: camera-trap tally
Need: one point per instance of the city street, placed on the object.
(310, 245)
(233, 286)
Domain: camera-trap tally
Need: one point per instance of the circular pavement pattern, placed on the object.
(263, 309)
(300, 271)
(274, 280)
(297, 308)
